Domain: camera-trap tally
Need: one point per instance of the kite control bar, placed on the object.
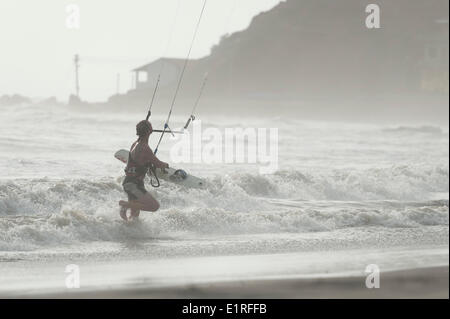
(174, 132)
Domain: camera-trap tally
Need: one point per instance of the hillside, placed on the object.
(312, 46)
(316, 56)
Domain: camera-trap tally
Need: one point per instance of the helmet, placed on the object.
(143, 128)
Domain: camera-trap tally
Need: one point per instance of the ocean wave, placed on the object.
(236, 192)
(396, 182)
(426, 129)
(71, 226)
(45, 212)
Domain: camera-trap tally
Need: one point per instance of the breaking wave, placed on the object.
(44, 212)
(427, 129)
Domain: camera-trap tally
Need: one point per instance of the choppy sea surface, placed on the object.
(344, 195)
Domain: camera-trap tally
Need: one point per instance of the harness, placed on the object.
(133, 169)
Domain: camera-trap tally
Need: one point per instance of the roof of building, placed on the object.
(175, 61)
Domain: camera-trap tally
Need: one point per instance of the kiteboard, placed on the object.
(172, 175)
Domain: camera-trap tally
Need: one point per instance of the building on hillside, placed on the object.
(145, 76)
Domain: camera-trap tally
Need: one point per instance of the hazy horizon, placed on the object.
(314, 59)
(38, 48)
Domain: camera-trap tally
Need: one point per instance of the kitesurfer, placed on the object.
(140, 159)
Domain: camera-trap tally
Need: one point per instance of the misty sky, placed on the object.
(114, 36)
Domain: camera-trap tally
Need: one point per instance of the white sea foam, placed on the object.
(45, 212)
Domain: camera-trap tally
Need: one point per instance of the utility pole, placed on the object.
(76, 61)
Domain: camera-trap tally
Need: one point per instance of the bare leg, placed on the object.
(146, 203)
(123, 212)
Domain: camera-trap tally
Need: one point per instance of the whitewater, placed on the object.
(345, 195)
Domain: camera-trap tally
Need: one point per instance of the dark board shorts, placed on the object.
(134, 188)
